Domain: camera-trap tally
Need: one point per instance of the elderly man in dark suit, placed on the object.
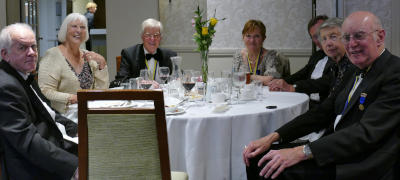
(31, 144)
(147, 55)
(362, 139)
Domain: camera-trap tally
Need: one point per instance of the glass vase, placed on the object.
(204, 65)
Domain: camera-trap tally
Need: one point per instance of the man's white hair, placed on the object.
(6, 32)
(151, 23)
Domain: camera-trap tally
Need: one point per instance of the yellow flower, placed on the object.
(213, 21)
(204, 31)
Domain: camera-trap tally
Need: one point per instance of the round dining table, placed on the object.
(207, 142)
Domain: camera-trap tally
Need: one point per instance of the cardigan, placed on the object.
(58, 82)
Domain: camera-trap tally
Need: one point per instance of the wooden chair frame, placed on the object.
(118, 62)
(88, 95)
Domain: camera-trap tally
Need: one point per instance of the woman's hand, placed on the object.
(259, 146)
(73, 99)
(264, 79)
(92, 56)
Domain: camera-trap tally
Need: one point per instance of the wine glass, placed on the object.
(163, 74)
(239, 80)
(187, 81)
(145, 83)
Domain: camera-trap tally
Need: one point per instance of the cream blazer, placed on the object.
(58, 82)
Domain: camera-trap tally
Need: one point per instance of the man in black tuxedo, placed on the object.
(147, 55)
(313, 79)
(31, 144)
(362, 139)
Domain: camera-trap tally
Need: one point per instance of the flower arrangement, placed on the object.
(203, 37)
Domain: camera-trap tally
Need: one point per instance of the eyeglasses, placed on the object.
(358, 36)
(149, 36)
(332, 37)
(255, 36)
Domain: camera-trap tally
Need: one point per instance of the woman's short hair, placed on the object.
(151, 23)
(252, 24)
(330, 23)
(62, 33)
(91, 5)
(5, 34)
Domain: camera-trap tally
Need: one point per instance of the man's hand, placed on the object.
(280, 85)
(258, 146)
(279, 160)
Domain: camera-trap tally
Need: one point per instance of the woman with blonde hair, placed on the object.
(66, 68)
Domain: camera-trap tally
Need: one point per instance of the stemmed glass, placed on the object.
(239, 80)
(163, 74)
(145, 83)
(187, 81)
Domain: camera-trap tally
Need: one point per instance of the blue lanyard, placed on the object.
(350, 94)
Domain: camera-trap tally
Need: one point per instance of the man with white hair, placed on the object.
(362, 121)
(31, 144)
(147, 55)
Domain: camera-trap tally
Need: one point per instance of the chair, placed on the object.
(123, 143)
(118, 62)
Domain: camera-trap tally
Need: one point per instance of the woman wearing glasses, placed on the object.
(263, 64)
(66, 68)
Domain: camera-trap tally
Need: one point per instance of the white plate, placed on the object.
(177, 111)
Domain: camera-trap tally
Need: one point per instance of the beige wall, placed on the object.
(13, 15)
(123, 20)
(79, 6)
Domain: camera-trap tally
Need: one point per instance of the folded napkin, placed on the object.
(171, 101)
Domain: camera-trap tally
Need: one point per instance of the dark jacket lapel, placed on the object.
(370, 76)
(41, 111)
(140, 57)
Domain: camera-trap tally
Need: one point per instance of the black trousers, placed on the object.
(307, 170)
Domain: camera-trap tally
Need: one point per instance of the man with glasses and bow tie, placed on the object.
(31, 144)
(147, 55)
(362, 139)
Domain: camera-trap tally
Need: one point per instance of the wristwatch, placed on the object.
(307, 151)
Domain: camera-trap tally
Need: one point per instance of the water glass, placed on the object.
(238, 80)
(125, 85)
(163, 74)
(133, 84)
(258, 89)
(226, 84)
(145, 83)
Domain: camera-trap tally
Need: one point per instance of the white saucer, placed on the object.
(175, 112)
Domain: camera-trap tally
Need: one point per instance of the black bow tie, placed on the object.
(155, 56)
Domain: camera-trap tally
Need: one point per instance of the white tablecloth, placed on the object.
(209, 145)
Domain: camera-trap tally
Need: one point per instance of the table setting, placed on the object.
(209, 123)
